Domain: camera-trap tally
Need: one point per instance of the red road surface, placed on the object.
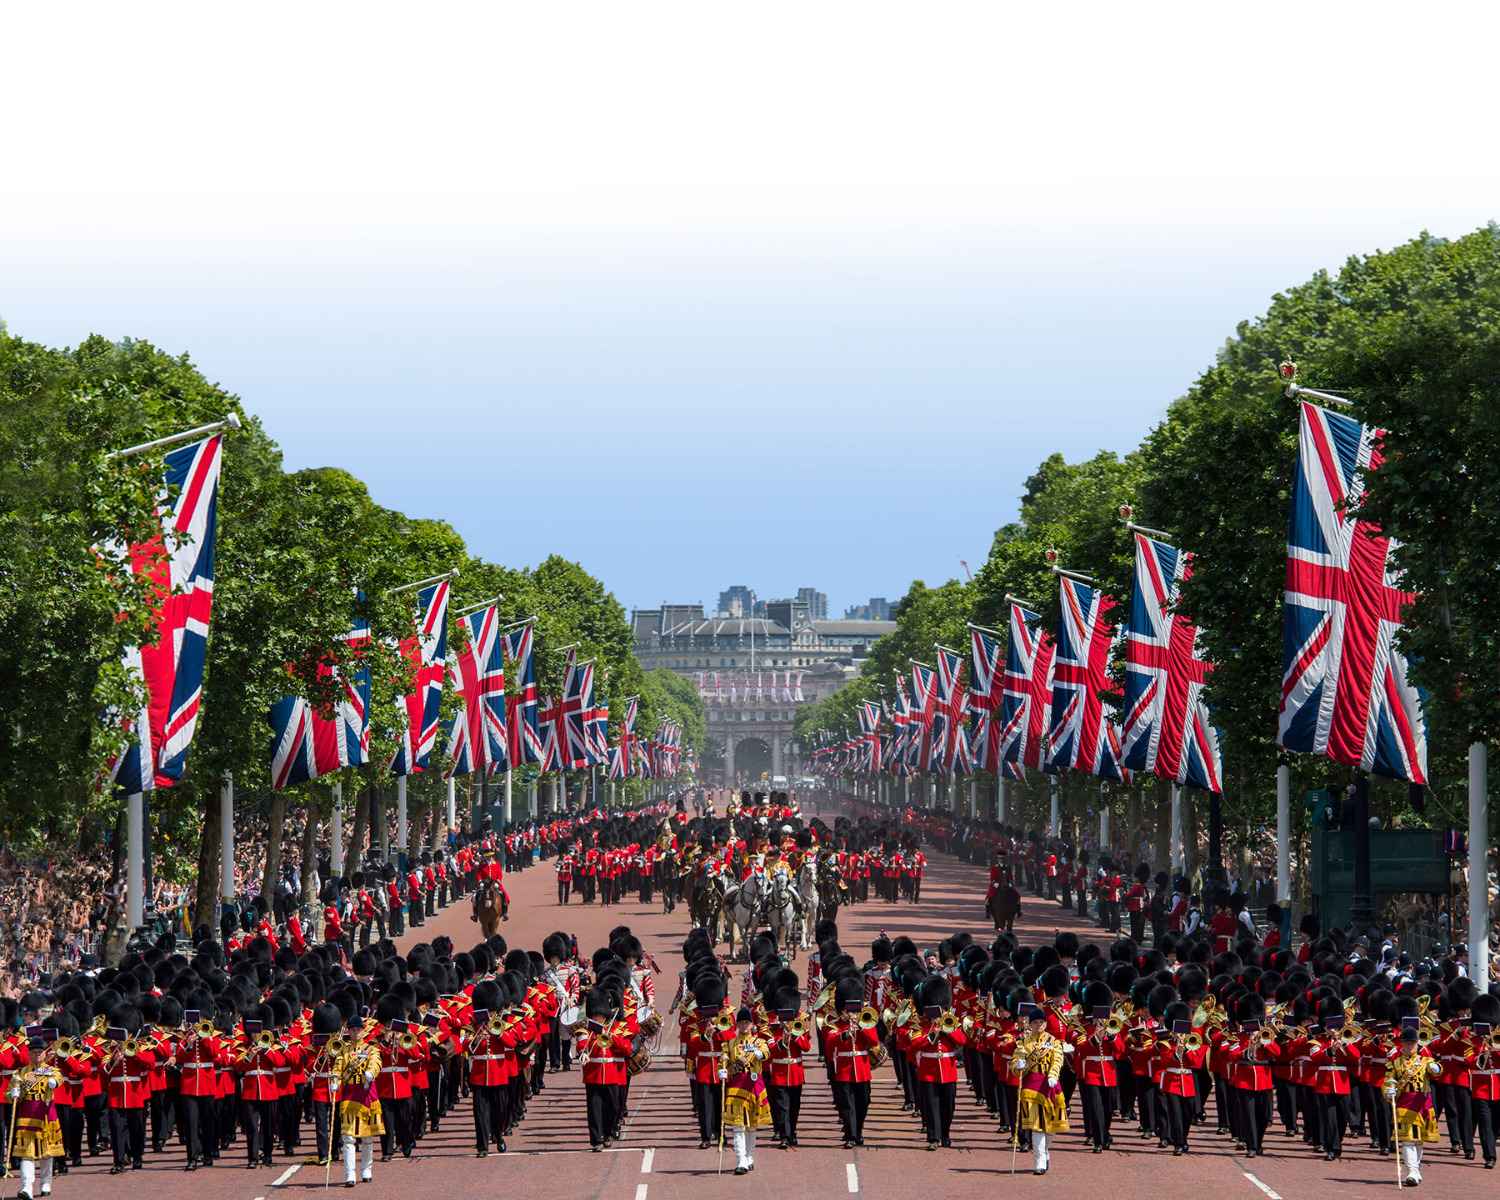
(659, 1159)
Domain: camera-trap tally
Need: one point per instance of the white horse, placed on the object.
(781, 914)
(807, 888)
(742, 910)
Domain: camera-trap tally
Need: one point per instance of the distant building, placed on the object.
(736, 601)
(816, 601)
(878, 609)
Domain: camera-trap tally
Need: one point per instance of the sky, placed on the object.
(699, 295)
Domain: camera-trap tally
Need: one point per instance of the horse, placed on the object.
(781, 912)
(1004, 906)
(706, 904)
(832, 891)
(489, 907)
(742, 908)
(807, 887)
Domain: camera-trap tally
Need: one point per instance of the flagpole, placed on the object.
(495, 599)
(986, 628)
(135, 861)
(229, 422)
(1010, 598)
(421, 583)
(226, 837)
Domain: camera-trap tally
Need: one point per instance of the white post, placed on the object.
(1103, 818)
(135, 860)
(1283, 834)
(226, 836)
(400, 814)
(1179, 860)
(336, 832)
(1000, 799)
(452, 803)
(973, 798)
(1479, 844)
(1054, 820)
(507, 796)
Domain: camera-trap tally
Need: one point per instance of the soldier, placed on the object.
(360, 1118)
(603, 1049)
(746, 1107)
(790, 1038)
(1038, 1060)
(35, 1134)
(1407, 1084)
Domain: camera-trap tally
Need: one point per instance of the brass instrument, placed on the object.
(498, 1024)
(130, 1047)
(1114, 1025)
(1350, 1034)
(265, 1040)
(407, 1040)
(868, 1017)
(825, 998)
(205, 1028)
(64, 1047)
(948, 1022)
(797, 1026)
(1192, 1041)
(724, 1021)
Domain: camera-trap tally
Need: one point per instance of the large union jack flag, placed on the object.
(577, 699)
(1082, 737)
(900, 730)
(427, 652)
(524, 743)
(479, 675)
(1026, 710)
(1344, 688)
(869, 730)
(622, 757)
(180, 566)
(1167, 729)
(919, 723)
(950, 737)
(306, 744)
(986, 697)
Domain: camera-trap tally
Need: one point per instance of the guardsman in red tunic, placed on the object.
(790, 1037)
(200, 1058)
(413, 902)
(255, 1060)
(1332, 1060)
(1096, 1062)
(603, 1050)
(1136, 900)
(128, 1060)
(1177, 1064)
(491, 1054)
(564, 869)
(703, 1049)
(847, 1044)
(934, 1043)
(1252, 1053)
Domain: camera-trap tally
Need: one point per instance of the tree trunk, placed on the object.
(309, 851)
(274, 827)
(206, 900)
(354, 852)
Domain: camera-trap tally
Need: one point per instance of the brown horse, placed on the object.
(1005, 906)
(489, 908)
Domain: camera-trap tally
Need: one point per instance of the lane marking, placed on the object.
(640, 1191)
(1274, 1195)
(647, 1157)
(853, 1173)
(280, 1180)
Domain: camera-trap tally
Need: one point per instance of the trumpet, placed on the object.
(724, 1021)
(264, 1040)
(797, 1026)
(948, 1022)
(868, 1017)
(1192, 1041)
(205, 1028)
(1114, 1025)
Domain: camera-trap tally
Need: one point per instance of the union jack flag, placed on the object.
(180, 565)
(1167, 727)
(622, 757)
(577, 699)
(550, 728)
(901, 725)
(525, 738)
(986, 697)
(479, 674)
(598, 731)
(1081, 736)
(923, 710)
(1344, 688)
(460, 761)
(427, 652)
(306, 745)
(950, 740)
(1026, 711)
(869, 728)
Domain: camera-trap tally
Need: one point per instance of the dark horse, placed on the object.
(1004, 906)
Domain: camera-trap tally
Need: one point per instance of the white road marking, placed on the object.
(1272, 1194)
(280, 1180)
(640, 1191)
(853, 1173)
(647, 1157)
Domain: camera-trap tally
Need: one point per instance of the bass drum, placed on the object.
(638, 1061)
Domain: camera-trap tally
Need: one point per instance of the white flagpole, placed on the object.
(135, 860)
(229, 422)
(226, 837)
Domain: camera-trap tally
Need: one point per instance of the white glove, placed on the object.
(1067, 1049)
(1018, 1063)
(1390, 1091)
(723, 1074)
(1051, 1080)
(369, 1076)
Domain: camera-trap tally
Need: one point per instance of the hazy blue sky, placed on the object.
(699, 304)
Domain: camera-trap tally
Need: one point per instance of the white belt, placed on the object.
(259, 1072)
(1333, 1068)
(786, 1062)
(935, 1054)
(1177, 1071)
(1488, 1071)
(1099, 1058)
(487, 1057)
(138, 1078)
(325, 1075)
(592, 1061)
(851, 1054)
(710, 1053)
